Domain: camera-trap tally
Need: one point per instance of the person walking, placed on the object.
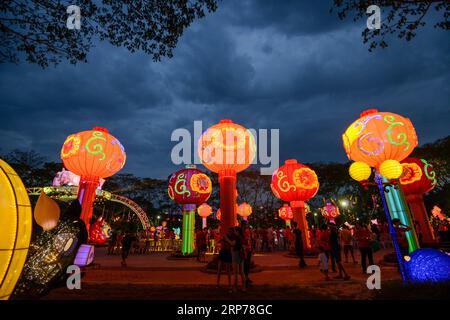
(336, 252)
(237, 257)
(298, 244)
(224, 259)
(324, 241)
(323, 263)
(127, 242)
(347, 241)
(364, 236)
(248, 249)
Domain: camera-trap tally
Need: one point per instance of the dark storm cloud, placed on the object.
(266, 64)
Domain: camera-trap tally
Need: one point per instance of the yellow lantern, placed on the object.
(46, 212)
(391, 169)
(360, 171)
(15, 228)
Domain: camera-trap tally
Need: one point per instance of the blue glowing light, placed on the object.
(428, 265)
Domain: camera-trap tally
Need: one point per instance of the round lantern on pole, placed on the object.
(418, 178)
(285, 213)
(92, 155)
(381, 140)
(189, 187)
(245, 210)
(204, 211)
(296, 183)
(227, 148)
(330, 212)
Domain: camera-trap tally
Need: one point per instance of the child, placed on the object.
(323, 263)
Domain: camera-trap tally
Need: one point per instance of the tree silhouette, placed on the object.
(36, 30)
(399, 17)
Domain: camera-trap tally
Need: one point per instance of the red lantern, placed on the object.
(418, 178)
(227, 148)
(189, 187)
(330, 212)
(285, 213)
(296, 183)
(99, 232)
(204, 211)
(92, 155)
(244, 210)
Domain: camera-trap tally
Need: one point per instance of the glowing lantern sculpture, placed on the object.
(245, 210)
(418, 178)
(46, 212)
(227, 148)
(92, 155)
(100, 232)
(381, 140)
(15, 228)
(189, 187)
(296, 183)
(330, 212)
(204, 211)
(285, 213)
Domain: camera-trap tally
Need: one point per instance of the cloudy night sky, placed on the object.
(288, 65)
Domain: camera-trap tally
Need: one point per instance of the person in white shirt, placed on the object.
(323, 263)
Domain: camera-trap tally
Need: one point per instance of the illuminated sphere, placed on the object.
(294, 182)
(189, 186)
(204, 210)
(418, 176)
(93, 153)
(428, 265)
(244, 209)
(360, 171)
(391, 169)
(379, 136)
(227, 146)
(330, 211)
(285, 212)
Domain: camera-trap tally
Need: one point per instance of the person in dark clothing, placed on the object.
(336, 252)
(247, 242)
(127, 242)
(364, 236)
(299, 245)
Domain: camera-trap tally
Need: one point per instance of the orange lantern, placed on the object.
(295, 183)
(204, 211)
(244, 210)
(379, 136)
(285, 213)
(227, 148)
(330, 211)
(418, 178)
(92, 155)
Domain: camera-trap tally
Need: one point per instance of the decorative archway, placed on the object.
(67, 193)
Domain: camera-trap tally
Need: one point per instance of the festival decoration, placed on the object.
(360, 171)
(419, 178)
(285, 213)
(92, 155)
(85, 255)
(391, 169)
(68, 178)
(46, 212)
(377, 137)
(295, 183)
(227, 148)
(204, 211)
(330, 211)
(15, 228)
(189, 187)
(244, 210)
(428, 265)
(99, 232)
(50, 254)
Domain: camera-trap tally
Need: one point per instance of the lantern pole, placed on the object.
(187, 240)
(379, 181)
(204, 224)
(298, 208)
(86, 196)
(227, 182)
